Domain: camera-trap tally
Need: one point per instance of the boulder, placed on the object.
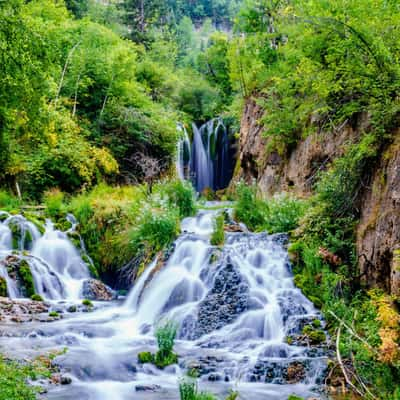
(94, 289)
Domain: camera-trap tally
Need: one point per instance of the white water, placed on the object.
(103, 346)
(57, 268)
(205, 161)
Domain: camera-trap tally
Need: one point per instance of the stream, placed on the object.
(235, 307)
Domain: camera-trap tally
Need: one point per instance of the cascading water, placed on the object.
(57, 268)
(208, 161)
(235, 306)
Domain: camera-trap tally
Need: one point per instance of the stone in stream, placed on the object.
(147, 388)
(228, 298)
(93, 289)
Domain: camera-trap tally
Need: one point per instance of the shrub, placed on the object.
(145, 357)
(8, 202)
(36, 297)
(248, 209)
(13, 378)
(218, 234)
(283, 213)
(181, 195)
(53, 200)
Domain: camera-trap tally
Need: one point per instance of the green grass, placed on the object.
(218, 234)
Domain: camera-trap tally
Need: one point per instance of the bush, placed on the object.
(248, 209)
(53, 200)
(181, 195)
(13, 378)
(218, 234)
(8, 202)
(145, 357)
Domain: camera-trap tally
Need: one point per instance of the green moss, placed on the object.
(145, 357)
(54, 314)
(36, 297)
(294, 397)
(87, 303)
(316, 323)
(27, 283)
(316, 336)
(3, 287)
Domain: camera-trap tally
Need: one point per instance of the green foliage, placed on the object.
(165, 334)
(54, 202)
(188, 390)
(87, 303)
(339, 188)
(316, 336)
(13, 378)
(3, 288)
(181, 194)
(36, 297)
(54, 314)
(276, 215)
(294, 397)
(8, 202)
(145, 357)
(27, 283)
(248, 208)
(218, 234)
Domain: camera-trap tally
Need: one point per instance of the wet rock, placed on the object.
(93, 289)
(295, 372)
(228, 298)
(282, 239)
(19, 311)
(147, 388)
(65, 380)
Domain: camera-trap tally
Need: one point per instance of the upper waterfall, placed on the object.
(208, 159)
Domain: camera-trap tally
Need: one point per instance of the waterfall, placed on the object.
(207, 161)
(57, 268)
(236, 306)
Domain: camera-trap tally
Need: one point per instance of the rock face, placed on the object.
(93, 289)
(378, 234)
(23, 310)
(228, 298)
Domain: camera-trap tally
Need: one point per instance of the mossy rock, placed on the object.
(3, 287)
(87, 303)
(25, 275)
(316, 336)
(316, 323)
(54, 314)
(36, 297)
(145, 357)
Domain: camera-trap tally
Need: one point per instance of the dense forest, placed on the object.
(91, 94)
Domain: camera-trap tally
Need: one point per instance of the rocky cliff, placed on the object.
(378, 232)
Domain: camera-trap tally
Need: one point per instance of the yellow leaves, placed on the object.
(105, 160)
(389, 332)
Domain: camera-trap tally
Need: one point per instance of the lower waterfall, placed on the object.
(236, 306)
(57, 268)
